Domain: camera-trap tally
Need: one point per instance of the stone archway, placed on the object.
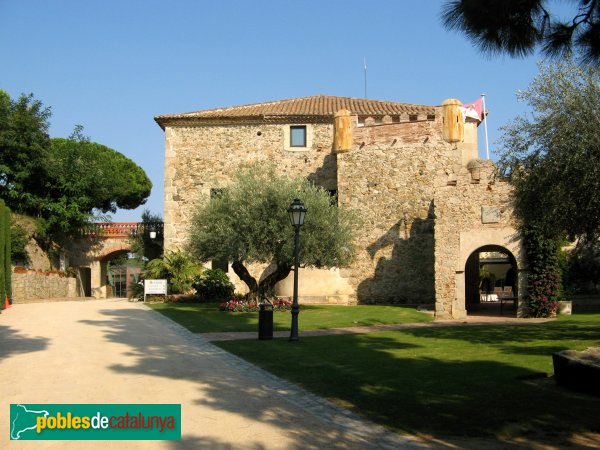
(99, 269)
(491, 281)
(470, 241)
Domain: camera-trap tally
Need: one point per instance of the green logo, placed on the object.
(95, 422)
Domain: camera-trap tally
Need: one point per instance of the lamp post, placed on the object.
(297, 212)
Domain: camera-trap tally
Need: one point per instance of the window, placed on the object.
(220, 264)
(412, 117)
(298, 136)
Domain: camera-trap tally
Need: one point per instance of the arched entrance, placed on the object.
(100, 277)
(118, 273)
(491, 281)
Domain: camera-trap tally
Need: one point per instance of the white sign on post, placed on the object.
(155, 287)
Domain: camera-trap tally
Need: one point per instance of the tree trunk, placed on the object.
(241, 271)
(266, 287)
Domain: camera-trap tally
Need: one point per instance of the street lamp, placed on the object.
(153, 229)
(297, 212)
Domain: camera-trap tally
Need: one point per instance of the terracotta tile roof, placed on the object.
(315, 106)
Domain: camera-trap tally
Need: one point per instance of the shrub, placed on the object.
(544, 281)
(582, 269)
(177, 268)
(136, 290)
(214, 284)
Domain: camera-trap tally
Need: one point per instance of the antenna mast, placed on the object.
(365, 62)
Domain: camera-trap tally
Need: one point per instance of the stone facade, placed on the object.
(473, 213)
(38, 285)
(388, 177)
(415, 189)
(199, 159)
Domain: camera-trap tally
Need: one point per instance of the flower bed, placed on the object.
(236, 305)
(281, 304)
(240, 304)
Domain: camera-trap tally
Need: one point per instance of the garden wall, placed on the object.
(36, 285)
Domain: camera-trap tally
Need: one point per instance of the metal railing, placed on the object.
(121, 229)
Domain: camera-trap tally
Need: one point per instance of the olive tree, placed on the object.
(553, 159)
(248, 223)
(552, 155)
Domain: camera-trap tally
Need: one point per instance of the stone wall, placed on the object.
(40, 285)
(388, 177)
(461, 227)
(204, 157)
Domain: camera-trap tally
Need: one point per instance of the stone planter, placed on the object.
(565, 307)
(579, 371)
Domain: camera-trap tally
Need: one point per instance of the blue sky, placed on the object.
(112, 66)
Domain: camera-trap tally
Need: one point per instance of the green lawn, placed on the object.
(206, 317)
(469, 381)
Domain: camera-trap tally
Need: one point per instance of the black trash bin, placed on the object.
(265, 321)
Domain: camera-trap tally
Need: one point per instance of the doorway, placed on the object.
(491, 282)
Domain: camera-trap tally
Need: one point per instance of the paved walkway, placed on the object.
(114, 351)
(469, 321)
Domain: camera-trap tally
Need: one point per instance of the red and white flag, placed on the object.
(473, 109)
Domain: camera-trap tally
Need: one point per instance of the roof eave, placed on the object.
(169, 121)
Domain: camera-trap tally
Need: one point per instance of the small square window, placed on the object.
(220, 263)
(298, 136)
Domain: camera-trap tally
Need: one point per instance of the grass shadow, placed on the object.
(436, 382)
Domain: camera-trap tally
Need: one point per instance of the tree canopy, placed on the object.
(24, 142)
(95, 176)
(62, 182)
(141, 243)
(248, 223)
(518, 27)
(553, 155)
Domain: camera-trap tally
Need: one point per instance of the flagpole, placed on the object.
(487, 146)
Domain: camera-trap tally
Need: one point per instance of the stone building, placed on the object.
(430, 206)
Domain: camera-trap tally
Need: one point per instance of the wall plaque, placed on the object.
(490, 215)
